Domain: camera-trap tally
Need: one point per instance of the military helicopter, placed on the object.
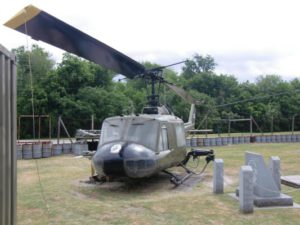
(134, 146)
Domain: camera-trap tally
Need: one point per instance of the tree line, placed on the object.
(75, 89)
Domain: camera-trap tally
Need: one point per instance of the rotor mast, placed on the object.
(155, 77)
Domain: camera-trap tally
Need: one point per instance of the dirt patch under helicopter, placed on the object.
(158, 182)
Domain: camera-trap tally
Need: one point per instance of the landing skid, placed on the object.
(96, 179)
(195, 153)
(176, 180)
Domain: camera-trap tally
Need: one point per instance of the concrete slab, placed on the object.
(282, 200)
(292, 181)
(294, 206)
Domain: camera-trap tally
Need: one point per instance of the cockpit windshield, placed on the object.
(112, 131)
(141, 131)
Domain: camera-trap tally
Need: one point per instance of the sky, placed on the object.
(247, 38)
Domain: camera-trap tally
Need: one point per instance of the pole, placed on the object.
(206, 126)
(293, 124)
(39, 127)
(62, 123)
(50, 128)
(229, 124)
(272, 120)
(257, 125)
(251, 126)
(92, 124)
(58, 129)
(19, 128)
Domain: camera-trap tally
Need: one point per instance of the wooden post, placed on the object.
(58, 129)
(251, 126)
(62, 123)
(206, 126)
(272, 119)
(92, 124)
(257, 125)
(19, 128)
(229, 123)
(50, 130)
(293, 124)
(39, 127)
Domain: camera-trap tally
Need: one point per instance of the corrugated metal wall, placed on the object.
(8, 175)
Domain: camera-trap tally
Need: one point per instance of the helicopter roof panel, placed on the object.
(146, 117)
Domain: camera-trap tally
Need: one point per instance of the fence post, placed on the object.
(251, 126)
(92, 123)
(58, 129)
(229, 123)
(272, 121)
(293, 124)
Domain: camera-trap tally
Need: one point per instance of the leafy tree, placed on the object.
(199, 64)
(269, 83)
(76, 89)
(38, 63)
(74, 73)
(41, 64)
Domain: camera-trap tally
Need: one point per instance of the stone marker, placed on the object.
(246, 189)
(266, 192)
(218, 180)
(274, 166)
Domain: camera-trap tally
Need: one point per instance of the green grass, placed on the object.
(63, 199)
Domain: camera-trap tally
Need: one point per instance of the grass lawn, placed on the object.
(61, 198)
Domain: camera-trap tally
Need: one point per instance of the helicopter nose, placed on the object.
(108, 161)
(139, 161)
(119, 159)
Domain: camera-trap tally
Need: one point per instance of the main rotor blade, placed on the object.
(182, 93)
(45, 27)
(163, 67)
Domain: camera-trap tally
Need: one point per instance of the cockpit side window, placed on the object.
(180, 135)
(163, 139)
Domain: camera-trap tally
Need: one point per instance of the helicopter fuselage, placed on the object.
(139, 146)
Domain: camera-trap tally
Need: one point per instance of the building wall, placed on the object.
(7, 138)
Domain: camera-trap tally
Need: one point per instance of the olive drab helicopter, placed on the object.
(134, 146)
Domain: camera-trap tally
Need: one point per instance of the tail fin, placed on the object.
(192, 118)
